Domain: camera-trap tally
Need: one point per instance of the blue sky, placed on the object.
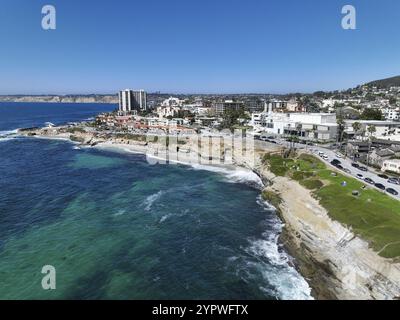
(188, 46)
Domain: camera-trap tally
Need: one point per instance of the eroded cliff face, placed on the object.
(336, 263)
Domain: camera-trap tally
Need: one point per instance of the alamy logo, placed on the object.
(49, 18)
(49, 280)
(349, 20)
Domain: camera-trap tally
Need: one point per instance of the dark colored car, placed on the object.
(355, 165)
(394, 181)
(392, 191)
(369, 180)
(335, 162)
(383, 176)
(360, 175)
(339, 166)
(380, 186)
(363, 169)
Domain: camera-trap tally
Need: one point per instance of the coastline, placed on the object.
(335, 263)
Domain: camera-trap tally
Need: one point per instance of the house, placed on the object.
(392, 165)
(377, 157)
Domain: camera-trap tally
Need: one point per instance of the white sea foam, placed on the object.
(165, 217)
(7, 133)
(287, 282)
(233, 175)
(150, 200)
(120, 213)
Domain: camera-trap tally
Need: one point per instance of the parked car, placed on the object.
(392, 191)
(394, 181)
(380, 186)
(347, 170)
(355, 165)
(339, 155)
(360, 175)
(369, 180)
(339, 166)
(363, 169)
(383, 176)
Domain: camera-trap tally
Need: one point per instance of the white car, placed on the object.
(339, 155)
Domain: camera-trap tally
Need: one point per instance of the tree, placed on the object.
(371, 130)
(230, 118)
(371, 114)
(340, 122)
(356, 127)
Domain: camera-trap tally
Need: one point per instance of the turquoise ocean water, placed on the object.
(116, 227)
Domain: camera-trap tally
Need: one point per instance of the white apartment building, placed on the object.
(384, 130)
(165, 112)
(392, 114)
(172, 102)
(316, 126)
(132, 100)
(392, 165)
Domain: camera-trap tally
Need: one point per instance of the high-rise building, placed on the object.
(132, 100)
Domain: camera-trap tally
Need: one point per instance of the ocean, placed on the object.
(116, 227)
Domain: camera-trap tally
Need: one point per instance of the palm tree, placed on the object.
(356, 127)
(340, 133)
(371, 130)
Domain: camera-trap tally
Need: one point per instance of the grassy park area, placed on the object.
(371, 214)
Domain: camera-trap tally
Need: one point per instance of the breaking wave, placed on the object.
(150, 200)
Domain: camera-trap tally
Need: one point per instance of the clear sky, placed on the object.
(196, 46)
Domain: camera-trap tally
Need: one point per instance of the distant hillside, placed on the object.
(62, 99)
(386, 83)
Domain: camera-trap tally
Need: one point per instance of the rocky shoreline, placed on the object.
(336, 263)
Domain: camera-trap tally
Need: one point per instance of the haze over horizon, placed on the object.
(196, 47)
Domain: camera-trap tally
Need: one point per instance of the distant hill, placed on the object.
(386, 83)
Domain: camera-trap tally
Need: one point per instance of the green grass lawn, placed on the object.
(372, 215)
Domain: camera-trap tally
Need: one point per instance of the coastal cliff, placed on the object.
(62, 98)
(336, 263)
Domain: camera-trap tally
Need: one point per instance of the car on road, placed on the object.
(347, 170)
(392, 191)
(355, 165)
(380, 186)
(383, 176)
(369, 180)
(325, 157)
(360, 175)
(339, 166)
(339, 155)
(364, 169)
(394, 181)
(335, 162)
